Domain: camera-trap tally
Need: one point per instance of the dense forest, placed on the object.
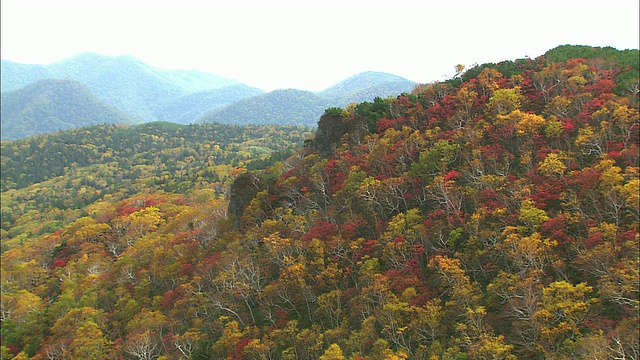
(46, 177)
(490, 216)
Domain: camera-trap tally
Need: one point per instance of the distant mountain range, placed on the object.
(298, 107)
(52, 105)
(144, 93)
(138, 89)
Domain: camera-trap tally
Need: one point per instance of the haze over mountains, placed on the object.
(52, 105)
(144, 93)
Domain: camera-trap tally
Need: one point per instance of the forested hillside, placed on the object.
(278, 107)
(491, 216)
(303, 108)
(52, 105)
(47, 176)
(187, 109)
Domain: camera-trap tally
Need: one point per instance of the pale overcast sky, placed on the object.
(311, 45)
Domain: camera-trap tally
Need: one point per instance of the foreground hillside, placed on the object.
(492, 216)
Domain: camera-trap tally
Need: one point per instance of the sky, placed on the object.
(311, 45)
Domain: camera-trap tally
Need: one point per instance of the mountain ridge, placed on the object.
(282, 106)
(52, 105)
(191, 96)
(126, 82)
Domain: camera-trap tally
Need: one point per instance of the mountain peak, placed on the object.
(51, 105)
(365, 86)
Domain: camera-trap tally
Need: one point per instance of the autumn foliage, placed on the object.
(494, 215)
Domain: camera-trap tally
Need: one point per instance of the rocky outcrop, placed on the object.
(243, 190)
(329, 133)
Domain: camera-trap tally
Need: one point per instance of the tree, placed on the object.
(552, 165)
(491, 347)
(144, 221)
(187, 343)
(333, 352)
(404, 238)
(463, 305)
(465, 101)
(435, 160)
(225, 347)
(427, 321)
(394, 317)
(531, 216)
(488, 81)
(89, 342)
(143, 346)
(329, 309)
(527, 123)
(549, 81)
(519, 295)
(502, 103)
(563, 308)
(445, 193)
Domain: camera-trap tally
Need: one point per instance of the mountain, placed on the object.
(187, 108)
(366, 86)
(281, 107)
(188, 96)
(16, 75)
(489, 216)
(53, 105)
(88, 68)
(125, 82)
(292, 106)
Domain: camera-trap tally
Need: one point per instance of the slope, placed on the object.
(54, 105)
(304, 108)
(281, 107)
(494, 217)
(125, 82)
(16, 75)
(188, 108)
(365, 87)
